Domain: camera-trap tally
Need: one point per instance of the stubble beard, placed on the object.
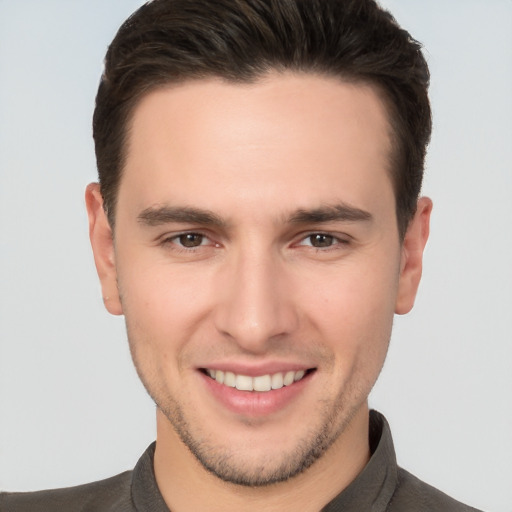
(230, 466)
(333, 418)
(223, 463)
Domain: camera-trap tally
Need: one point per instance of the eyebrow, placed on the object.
(330, 213)
(155, 216)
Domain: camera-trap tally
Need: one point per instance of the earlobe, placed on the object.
(100, 234)
(411, 263)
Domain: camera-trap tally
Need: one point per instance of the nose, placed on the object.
(255, 305)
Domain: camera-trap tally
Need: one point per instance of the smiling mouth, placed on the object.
(260, 383)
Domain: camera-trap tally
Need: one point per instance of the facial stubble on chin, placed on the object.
(223, 465)
(334, 416)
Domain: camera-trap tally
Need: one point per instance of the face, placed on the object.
(257, 261)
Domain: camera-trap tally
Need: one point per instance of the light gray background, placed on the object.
(71, 407)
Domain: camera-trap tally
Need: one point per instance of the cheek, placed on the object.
(157, 315)
(354, 309)
(357, 291)
(158, 293)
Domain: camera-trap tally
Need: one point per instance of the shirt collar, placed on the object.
(372, 489)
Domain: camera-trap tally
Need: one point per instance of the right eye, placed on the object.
(320, 240)
(188, 241)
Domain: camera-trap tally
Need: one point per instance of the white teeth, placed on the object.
(289, 378)
(260, 383)
(277, 381)
(230, 379)
(263, 383)
(244, 383)
(299, 375)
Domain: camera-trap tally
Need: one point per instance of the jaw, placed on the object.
(255, 438)
(186, 483)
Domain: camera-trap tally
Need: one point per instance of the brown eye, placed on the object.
(321, 240)
(191, 239)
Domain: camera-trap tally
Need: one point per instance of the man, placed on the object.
(258, 223)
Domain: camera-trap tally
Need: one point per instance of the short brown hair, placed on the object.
(170, 41)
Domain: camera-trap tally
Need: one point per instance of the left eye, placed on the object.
(191, 240)
(319, 240)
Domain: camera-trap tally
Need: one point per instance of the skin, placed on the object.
(271, 283)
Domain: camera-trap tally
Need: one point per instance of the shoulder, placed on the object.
(103, 496)
(413, 494)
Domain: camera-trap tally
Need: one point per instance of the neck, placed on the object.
(186, 485)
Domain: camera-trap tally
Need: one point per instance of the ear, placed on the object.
(102, 242)
(411, 261)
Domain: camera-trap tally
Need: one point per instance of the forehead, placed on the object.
(303, 137)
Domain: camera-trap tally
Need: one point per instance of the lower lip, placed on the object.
(255, 403)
